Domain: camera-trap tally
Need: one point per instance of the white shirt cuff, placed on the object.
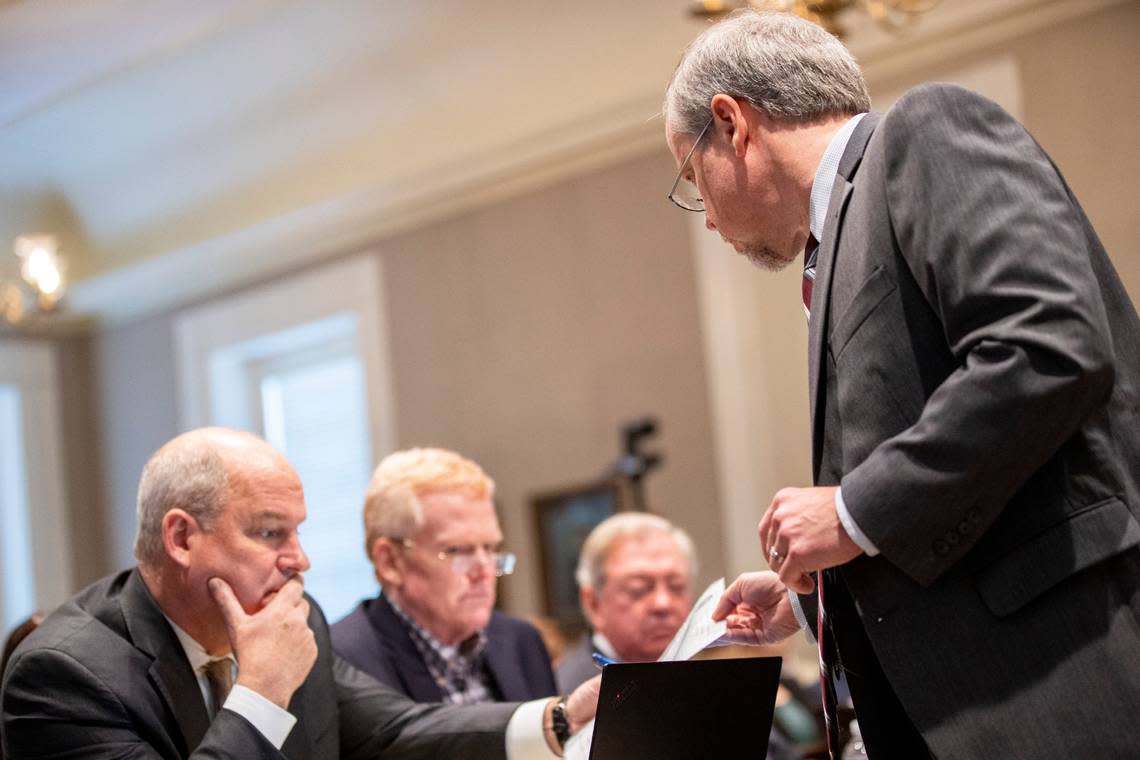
(849, 525)
(525, 739)
(273, 722)
(801, 618)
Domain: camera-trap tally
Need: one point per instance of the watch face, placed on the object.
(561, 724)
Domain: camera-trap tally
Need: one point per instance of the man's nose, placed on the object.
(293, 560)
(482, 561)
(661, 598)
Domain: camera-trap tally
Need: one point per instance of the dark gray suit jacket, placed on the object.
(974, 367)
(577, 664)
(374, 639)
(105, 676)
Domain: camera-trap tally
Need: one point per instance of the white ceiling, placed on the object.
(155, 135)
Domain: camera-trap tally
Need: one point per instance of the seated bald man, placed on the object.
(143, 663)
(433, 633)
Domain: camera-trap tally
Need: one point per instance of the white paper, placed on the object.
(696, 633)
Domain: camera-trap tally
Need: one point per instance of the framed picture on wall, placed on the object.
(563, 519)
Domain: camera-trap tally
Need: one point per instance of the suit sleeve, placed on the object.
(986, 228)
(539, 670)
(375, 720)
(56, 707)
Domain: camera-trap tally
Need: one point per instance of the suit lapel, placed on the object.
(824, 267)
(504, 663)
(170, 672)
(402, 654)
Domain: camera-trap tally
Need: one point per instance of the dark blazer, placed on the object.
(974, 366)
(374, 639)
(577, 664)
(105, 676)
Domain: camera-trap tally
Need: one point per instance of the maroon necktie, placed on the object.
(809, 272)
(822, 631)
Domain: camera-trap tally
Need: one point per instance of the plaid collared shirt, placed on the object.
(458, 669)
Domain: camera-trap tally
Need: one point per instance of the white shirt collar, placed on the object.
(195, 652)
(603, 645)
(825, 175)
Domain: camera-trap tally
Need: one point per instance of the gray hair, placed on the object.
(786, 66)
(597, 546)
(187, 473)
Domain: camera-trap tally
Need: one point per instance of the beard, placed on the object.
(762, 256)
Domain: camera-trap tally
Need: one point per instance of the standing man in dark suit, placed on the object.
(433, 633)
(143, 663)
(973, 362)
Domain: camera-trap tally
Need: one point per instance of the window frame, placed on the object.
(352, 286)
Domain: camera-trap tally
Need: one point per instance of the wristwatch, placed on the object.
(561, 722)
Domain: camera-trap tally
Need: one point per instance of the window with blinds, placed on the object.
(314, 411)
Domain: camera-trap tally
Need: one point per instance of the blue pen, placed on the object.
(601, 660)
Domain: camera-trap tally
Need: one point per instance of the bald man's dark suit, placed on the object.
(105, 676)
(974, 367)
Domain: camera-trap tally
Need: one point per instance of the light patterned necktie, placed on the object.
(827, 654)
(220, 677)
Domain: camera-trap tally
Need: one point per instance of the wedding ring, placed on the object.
(774, 556)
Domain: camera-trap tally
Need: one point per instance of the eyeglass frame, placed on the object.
(681, 171)
(502, 563)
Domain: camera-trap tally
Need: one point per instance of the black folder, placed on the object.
(687, 709)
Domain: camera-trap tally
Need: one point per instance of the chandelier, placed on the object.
(893, 15)
(39, 287)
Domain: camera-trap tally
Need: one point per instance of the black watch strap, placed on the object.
(561, 722)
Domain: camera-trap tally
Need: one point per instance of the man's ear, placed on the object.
(734, 120)
(590, 602)
(387, 565)
(178, 531)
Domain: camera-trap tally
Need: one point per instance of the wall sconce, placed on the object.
(41, 282)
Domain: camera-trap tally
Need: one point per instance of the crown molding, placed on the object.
(351, 222)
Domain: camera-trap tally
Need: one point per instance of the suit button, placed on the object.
(953, 538)
(964, 528)
(973, 516)
(941, 547)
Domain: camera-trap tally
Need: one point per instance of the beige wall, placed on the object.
(138, 412)
(1082, 103)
